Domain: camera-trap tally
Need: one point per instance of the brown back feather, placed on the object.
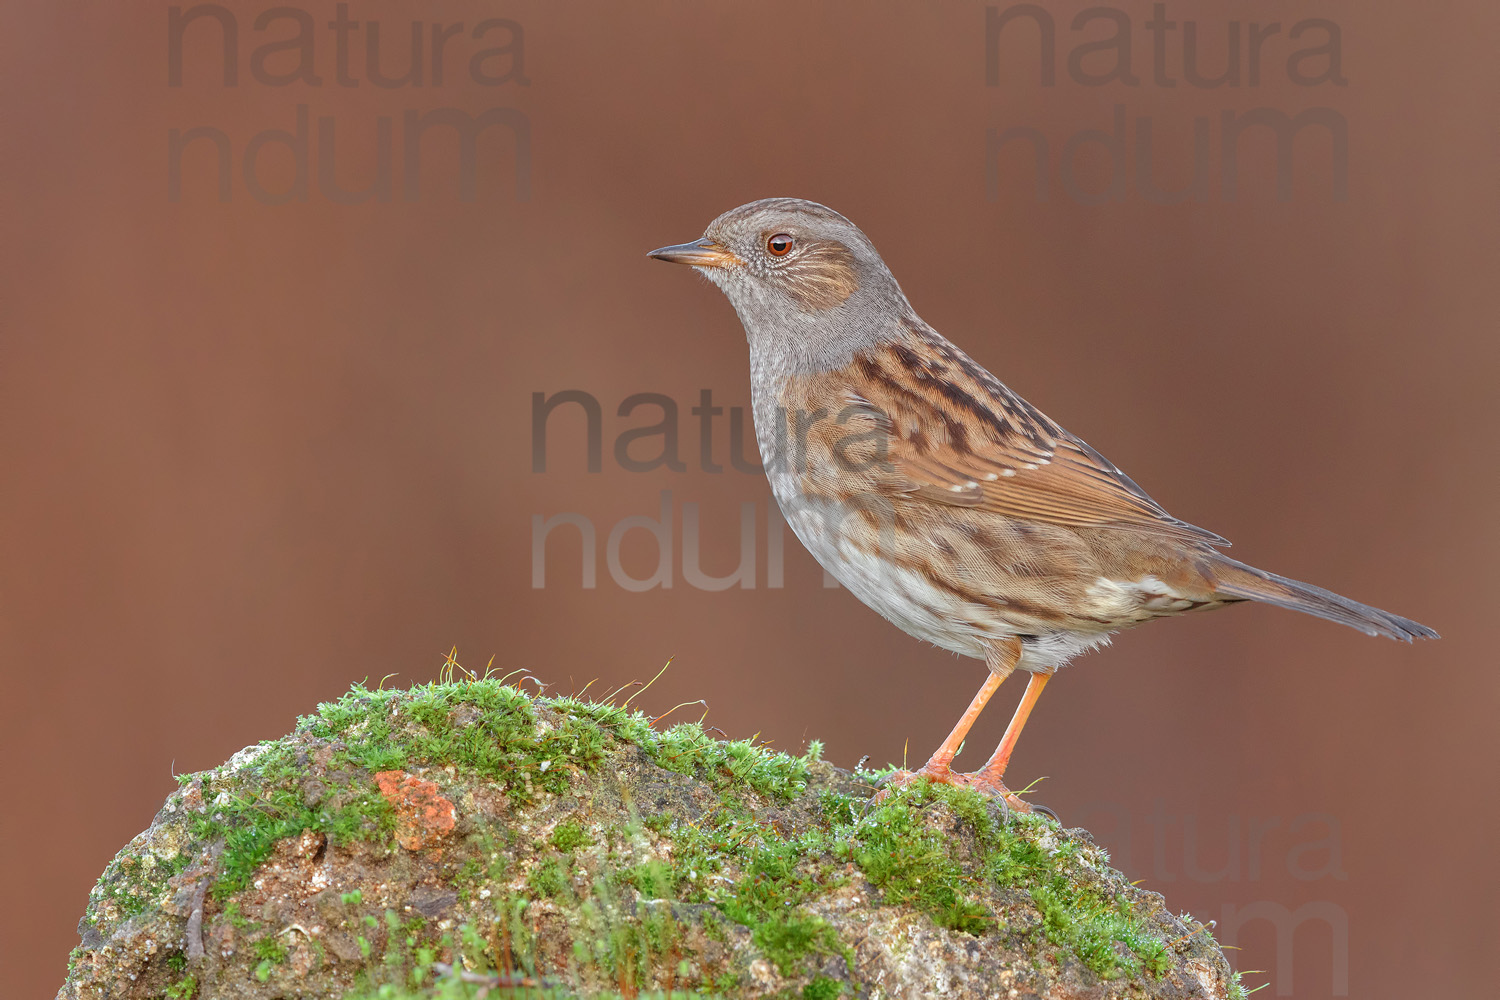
(962, 438)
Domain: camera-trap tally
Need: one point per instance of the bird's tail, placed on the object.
(1241, 582)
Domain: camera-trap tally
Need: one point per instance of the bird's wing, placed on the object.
(957, 436)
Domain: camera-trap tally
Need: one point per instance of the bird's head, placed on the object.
(807, 284)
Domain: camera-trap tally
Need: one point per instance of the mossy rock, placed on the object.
(464, 838)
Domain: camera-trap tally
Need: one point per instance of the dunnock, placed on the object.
(938, 496)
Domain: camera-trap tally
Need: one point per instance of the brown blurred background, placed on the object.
(257, 452)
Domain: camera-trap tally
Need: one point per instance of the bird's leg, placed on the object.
(939, 765)
(988, 777)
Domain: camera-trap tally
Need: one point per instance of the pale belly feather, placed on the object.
(906, 598)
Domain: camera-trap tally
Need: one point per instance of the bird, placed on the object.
(937, 495)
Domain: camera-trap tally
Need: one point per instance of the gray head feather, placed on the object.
(784, 302)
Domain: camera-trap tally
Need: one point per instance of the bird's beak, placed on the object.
(699, 253)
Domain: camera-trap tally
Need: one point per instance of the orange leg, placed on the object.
(988, 777)
(943, 757)
(938, 766)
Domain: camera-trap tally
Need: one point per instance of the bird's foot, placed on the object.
(995, 787)
(936, 772)
(944, 775)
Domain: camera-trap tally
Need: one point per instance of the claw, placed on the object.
(991, 786)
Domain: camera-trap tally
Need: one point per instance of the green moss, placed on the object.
(688, 749)
(547, 879)
(184, 989)
(912, 864)
(232, 915)
(409, 950)
(487, 866)
(480, 727)
(137, 880)
(628, 948)
(823, 988)
(569, 836)
(271, 953)
(653, 879)
(776, 876)
(270, 949)
(250, 824)
(787, 939)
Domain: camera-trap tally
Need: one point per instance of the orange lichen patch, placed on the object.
(422, 814)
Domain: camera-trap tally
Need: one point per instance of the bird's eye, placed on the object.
(779, 245)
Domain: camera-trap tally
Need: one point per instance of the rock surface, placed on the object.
(399, 843)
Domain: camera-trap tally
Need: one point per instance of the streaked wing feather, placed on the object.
(957, 436)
